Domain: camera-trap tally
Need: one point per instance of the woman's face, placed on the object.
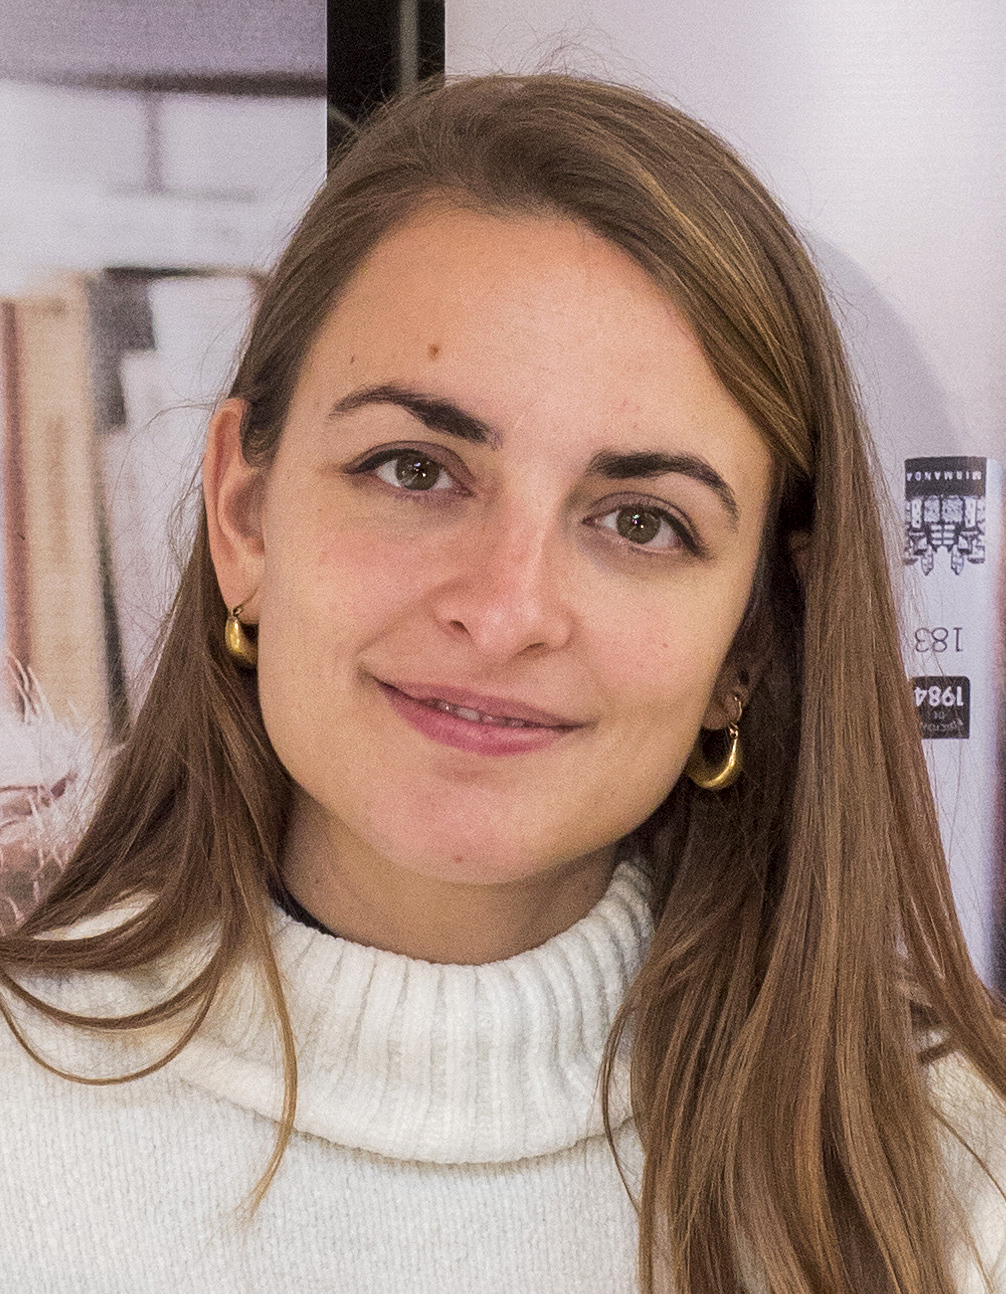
(502, 552)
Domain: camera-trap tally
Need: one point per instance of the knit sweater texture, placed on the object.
(448, 1130)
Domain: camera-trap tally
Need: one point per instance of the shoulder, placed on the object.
(971, 1135)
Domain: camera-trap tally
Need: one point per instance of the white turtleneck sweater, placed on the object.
(448, 1132)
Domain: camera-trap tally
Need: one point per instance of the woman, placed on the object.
(539, 496)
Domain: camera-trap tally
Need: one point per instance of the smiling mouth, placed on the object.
(477, 716)
(486, 711)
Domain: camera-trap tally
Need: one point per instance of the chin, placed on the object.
(485, 861)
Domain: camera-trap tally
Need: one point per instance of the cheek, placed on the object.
(661, 661)
(328, 596)
(659, 684)
(344, 577)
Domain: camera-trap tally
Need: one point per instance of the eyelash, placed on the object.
(681, 530)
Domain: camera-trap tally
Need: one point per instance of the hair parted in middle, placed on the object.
(805, 927)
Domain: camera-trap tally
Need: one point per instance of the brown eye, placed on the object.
(416, 471)
(640, 525)
(647, 528)
(413, 471)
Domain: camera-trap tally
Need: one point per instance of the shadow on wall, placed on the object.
(907, 409)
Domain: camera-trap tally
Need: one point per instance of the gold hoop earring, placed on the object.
(717, 777)
(240, 646)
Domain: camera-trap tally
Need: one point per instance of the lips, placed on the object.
(500, 712)
(478, 716)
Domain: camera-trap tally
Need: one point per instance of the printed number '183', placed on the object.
(939, 639)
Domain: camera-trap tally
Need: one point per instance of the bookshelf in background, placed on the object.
(181, 177)
(108, 381)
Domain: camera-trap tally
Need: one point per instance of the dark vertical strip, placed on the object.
(431, 39)
(366, 61)
(118, 697)
(362, 55)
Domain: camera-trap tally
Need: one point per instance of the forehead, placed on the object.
(524, 277)
(538, 326)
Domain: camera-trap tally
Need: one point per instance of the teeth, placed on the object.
(476, 716)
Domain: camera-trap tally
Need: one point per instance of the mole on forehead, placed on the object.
(433, 350)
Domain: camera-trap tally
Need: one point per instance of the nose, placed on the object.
(506, 594)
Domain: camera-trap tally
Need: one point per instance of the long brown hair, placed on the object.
(805, 930)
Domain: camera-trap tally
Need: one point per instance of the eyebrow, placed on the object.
(649, 463)
(438, 415)
(447, 417)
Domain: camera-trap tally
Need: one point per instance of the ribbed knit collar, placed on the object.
(436, 1063)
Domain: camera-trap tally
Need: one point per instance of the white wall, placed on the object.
(881, 125)
(90, 178)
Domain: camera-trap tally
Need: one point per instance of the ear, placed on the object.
(232, 490)
(722, 709)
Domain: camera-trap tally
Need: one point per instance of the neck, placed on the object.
(356, 893)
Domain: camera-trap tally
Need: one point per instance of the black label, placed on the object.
(944, 508)
(943, 705)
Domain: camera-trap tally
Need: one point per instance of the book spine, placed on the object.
(65, 613)
(15, 556)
